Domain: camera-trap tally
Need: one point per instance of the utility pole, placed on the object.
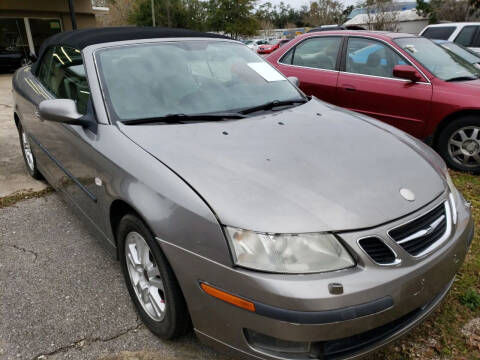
(169, 23)
(72, 14)
(153, 13)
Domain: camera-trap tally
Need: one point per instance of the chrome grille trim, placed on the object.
(447, 216)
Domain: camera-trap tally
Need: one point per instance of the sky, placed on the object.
(297, 3)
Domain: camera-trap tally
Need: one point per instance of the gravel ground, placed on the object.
(63, 296)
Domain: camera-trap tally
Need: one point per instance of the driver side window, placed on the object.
(370, 57)
(62, 72)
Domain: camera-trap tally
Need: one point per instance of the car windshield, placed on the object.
(467, 54)
(154, 80)
(274, 42)
(441, 62)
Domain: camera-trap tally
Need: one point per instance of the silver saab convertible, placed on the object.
(277, 225)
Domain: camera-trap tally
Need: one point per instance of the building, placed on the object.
(25, 24)
(402, 13)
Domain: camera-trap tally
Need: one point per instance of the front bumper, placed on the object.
(415, 286)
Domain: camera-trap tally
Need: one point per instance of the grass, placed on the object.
(441, 336)
(22, 195)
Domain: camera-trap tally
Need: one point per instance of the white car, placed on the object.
(466, 34)
(256, 43)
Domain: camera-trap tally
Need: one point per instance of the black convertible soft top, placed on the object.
(80, 39)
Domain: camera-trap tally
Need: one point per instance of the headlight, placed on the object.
(452, 196)
(288, 253)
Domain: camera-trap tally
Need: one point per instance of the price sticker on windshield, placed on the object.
(266, 71)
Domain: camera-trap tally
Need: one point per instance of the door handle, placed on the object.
(349, 88)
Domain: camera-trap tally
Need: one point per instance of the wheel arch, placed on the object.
(118, 209)
(448, 119)
(16, 118)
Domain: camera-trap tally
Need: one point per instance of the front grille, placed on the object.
(420, 234)
(377, 250)
(338, 349)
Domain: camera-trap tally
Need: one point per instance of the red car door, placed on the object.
(314, 62)
(367, 85)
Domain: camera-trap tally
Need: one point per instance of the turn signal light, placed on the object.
(229, 298)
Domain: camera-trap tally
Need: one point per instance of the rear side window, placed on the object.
(67, 79)
(439, 32)
(370, 57)
(318, 53)
(466, 37)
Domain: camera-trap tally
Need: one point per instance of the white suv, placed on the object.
(466, 34)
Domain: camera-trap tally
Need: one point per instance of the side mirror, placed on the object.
(294, 80)
(62, 111)
(406, 72)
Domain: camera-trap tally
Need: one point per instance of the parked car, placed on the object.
(271, 46)
(335, 27)
(10, 60)
(469, 55)
(405, 80)
(278, 225)
(466, 33)
(256, 43)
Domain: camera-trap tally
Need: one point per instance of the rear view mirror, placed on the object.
(406, 72)
(62, 111)
(294, 80)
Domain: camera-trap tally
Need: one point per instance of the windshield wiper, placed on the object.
(462, 78)
(177, 118)
(272, 104)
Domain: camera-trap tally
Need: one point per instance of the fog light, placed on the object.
(275, 346)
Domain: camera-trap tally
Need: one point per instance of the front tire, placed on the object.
(150, 280)
(28, 156)
(459, 144)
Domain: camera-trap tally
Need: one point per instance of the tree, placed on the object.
(233, 17)
(189, 14)
(118, 14)
(324, 12)
(381, 15)
(449, 10)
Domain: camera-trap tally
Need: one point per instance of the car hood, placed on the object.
(305, 169)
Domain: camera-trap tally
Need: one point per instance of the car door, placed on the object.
(367, 85)
(69, 146)
(315, 61)
(31, 94)
(469, 37)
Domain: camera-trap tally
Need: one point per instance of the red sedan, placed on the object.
(405, 80)
(271, 46)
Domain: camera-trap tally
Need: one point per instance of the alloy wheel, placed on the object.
(145, 276)
(28, 152)
(464, 146)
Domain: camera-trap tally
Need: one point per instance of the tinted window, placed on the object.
(319, 53)
(67, 79)
(44, 69)
(439, 32)
(466, 36)
(369, 57)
